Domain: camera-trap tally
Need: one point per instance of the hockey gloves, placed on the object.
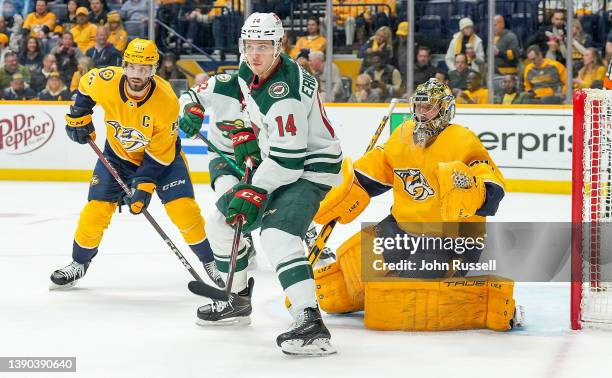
(79, 128)
(245, 145)
(191, 121)
(247, 202)
(142, 190)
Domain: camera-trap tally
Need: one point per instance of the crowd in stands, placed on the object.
(531, 70)
(44, 54)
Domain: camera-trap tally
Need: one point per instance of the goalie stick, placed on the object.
(202, 288)
(319, 243)
(145, 212)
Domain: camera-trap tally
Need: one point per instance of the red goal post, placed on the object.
(591, 273)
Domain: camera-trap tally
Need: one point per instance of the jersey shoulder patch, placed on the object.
(106, 74)
(226, 85)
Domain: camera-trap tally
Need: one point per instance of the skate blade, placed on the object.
(518, 321)
(318, 348)
(53, 286)
(237, 321)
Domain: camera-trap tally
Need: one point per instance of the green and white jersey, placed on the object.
(295, 136)
(222, 99)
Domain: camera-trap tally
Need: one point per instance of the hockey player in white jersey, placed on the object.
(220, 96)
(299, 161)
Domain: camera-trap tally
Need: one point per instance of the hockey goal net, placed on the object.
(591, 288)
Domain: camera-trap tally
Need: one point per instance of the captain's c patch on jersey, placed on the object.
(130, 138)
(415, 183)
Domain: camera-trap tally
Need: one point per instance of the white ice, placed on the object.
(132, 315)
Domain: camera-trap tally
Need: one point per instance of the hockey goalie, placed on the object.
(444, 184)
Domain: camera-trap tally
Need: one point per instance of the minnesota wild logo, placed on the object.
(227, 125)
(223, 78)
(130, 139)
(278, 90)
(415, 183)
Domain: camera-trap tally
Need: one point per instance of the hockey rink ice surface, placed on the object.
(132, 316)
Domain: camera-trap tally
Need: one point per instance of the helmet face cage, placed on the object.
(440, 96)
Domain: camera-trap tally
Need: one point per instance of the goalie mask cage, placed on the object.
(591, 273)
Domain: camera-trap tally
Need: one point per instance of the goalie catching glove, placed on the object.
(462, 193)
(192, 119)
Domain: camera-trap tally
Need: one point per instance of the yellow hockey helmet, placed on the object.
(141, 51)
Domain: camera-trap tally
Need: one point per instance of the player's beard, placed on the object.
(139, 86)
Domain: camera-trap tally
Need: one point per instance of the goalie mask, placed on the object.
(433, 107)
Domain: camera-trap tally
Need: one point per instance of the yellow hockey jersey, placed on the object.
(411, 171)
(134, 127)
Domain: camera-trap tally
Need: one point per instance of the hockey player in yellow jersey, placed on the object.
(142, 144)
(444, 184)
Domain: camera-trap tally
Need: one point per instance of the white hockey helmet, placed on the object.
(263, 27)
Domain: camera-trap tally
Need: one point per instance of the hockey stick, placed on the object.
(155, 225)
(205, 290)
(321, 239)
(223, 156)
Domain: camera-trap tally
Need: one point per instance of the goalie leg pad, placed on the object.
(339, 286)
(94, 219)
(453, 304)
(187, 217)
(343, 202)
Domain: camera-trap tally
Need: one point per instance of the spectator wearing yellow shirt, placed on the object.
(544, 79)
(116, 33)
(40, 22)
(593, 69)
(84, 32)
(511, 94)
(313, 41)
(84, 65)
(475, 94)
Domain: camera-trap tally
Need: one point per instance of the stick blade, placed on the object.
(204, 290)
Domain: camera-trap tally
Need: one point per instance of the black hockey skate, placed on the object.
(214, 274)
(307, 336)
(236, 311)
(68, 276)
